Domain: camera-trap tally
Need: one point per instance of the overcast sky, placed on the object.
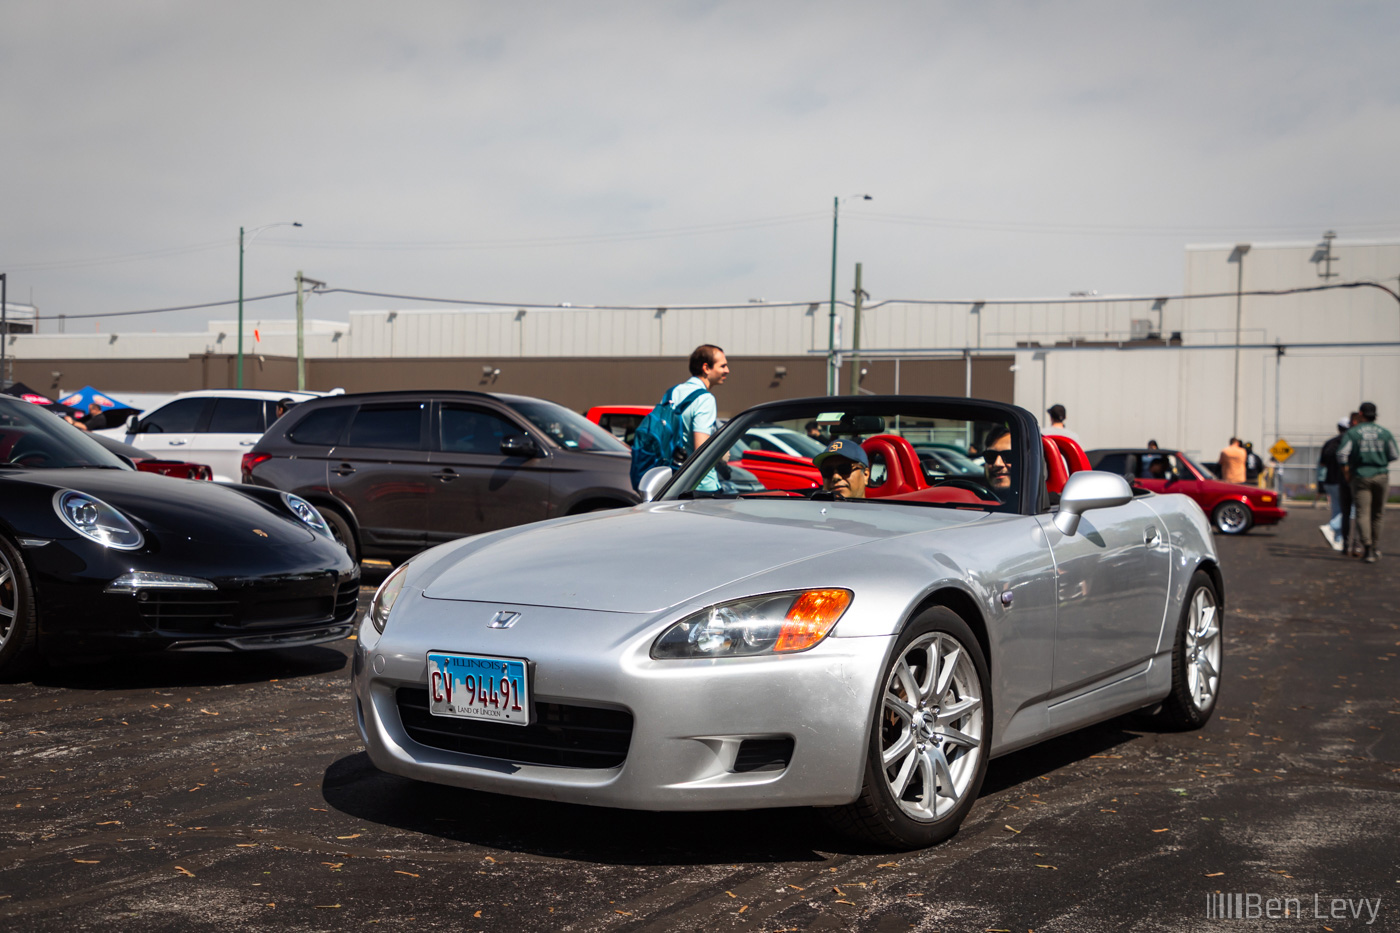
(673, 153)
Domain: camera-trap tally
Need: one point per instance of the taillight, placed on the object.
(250, 461)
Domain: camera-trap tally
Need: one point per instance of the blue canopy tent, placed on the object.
(115, 412)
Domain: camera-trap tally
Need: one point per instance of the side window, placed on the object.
(322, 427)
(1114, 463)
(473, 431)
(179, 417)
(393, 427)
(237, 416)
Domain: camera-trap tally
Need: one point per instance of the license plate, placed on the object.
(473, 686)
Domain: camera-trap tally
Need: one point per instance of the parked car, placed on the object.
(212, 426)
(395, 472)
(620, 420)
(1233, 508)
(789, 647)
(96, 557)
(144, 462)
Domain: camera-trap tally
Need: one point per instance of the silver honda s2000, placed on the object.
(866, 654)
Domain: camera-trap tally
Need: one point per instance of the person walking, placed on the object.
(683, 420)
(1329, 481)
(1366, 453)
(1232, 462)
(1057, 424)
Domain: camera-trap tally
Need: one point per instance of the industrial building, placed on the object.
(1264, 340)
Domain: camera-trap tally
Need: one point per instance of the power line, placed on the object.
(207, 304)
(112, 260)
(1101, 229)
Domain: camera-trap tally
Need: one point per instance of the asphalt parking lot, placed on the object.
(232, 792)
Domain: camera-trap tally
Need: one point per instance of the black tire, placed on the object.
(945, 747)
(1197, 652)
(342, 530)
(18, 631)
(1232, 518)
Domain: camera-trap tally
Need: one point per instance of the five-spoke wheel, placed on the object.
(1197, 653)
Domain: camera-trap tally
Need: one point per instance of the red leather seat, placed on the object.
(1075, 458)
(1057, 473)
(903, 471)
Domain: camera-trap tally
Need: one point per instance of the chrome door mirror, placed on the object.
(1090, 489)
(653, 480)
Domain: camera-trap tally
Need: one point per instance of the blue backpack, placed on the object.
(660, 440)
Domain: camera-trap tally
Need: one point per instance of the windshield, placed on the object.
(32, 438)
(566, 428)
(912, 451)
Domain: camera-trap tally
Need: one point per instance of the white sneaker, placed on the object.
(1333, 541)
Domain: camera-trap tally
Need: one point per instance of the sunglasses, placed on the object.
(1007, 457)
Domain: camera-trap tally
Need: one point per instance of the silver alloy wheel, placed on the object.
(9, 599)
(930, 726)
(1202, 650)
(1232, 518)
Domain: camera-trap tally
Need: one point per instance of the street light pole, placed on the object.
(831, 321)
(1238, 255)
(4, 327)
(241, 246)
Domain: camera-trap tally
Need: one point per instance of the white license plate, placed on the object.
(473, 686)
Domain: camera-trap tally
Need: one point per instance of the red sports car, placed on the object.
(1233, 508)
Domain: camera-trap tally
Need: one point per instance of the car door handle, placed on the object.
(246, 443)
(178, 442)
(344, 469)
(1152, 536)
(446, 475)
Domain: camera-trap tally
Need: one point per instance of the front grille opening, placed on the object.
(763, 755)
(563, 735)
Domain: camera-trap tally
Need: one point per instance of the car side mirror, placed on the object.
(653, 480)
(1089, 489)
(519, 445)
(133, 424)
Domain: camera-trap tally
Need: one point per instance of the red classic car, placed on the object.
(1233, 508)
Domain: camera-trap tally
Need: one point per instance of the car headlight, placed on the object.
(307, 513)
(96, 520)
(777, 623)
(385, 597)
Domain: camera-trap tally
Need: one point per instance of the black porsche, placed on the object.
(97, 557)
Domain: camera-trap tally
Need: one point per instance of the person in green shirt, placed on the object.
(1365, 454)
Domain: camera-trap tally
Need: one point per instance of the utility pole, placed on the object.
(301, 345)
(1327, 272)
(831, 319)
(855, 338)
(4, 329)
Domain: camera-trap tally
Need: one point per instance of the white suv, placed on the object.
(213, 426)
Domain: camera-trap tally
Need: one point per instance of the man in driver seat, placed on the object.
(997, 457)
(845, 469)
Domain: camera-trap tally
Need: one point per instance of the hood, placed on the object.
(654, 556)
(183, 509)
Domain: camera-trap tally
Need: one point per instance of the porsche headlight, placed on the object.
(307, 513)
(773, 624)
(97, 521)
(385, 597)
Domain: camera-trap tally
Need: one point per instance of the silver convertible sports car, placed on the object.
(864, 648)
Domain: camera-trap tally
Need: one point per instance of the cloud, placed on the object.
(1084, 142)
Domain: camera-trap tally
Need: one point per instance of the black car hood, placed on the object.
(174, 509)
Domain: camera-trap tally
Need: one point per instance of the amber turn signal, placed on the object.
(812, 615)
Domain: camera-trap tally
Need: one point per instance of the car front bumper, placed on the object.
(690, 720)
(271, 597)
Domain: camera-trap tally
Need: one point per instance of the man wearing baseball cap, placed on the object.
(845, 469)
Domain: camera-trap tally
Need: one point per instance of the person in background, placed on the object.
(1232, 468)
(1057, 424)
(1365, 454)
(96, 419)
(1329, 481)
(1253, 466)
(1152, 445)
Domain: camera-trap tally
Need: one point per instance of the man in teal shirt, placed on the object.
(1365, 455)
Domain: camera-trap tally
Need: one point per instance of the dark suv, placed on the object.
(396, 472)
